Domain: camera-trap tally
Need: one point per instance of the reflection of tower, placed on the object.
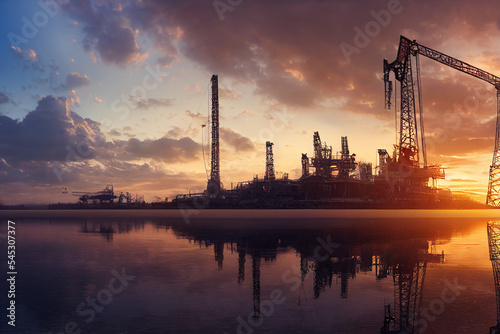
(344, 279)
(409, 282)
(494, 243)
(219, 253)
(256, 284)
(241, 264)
(408, 269)
(381, 269)
(323, 273)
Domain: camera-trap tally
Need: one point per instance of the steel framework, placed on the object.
(408, 140)
(409, 282)
(402, 69)
(305, 165)
(270, 175)
(214, 185)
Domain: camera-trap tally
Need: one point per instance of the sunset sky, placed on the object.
(96, 92)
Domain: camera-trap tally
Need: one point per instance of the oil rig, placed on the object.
(403, 178)
(410, 143)
(328, 180)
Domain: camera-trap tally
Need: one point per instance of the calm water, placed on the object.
(243, 273)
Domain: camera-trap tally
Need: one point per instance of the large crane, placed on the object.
(408, 147)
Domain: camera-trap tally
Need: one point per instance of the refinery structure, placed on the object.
(329, 180)
(402, 178)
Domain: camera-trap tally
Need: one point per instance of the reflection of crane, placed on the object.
(409, 282)
(219, 253)
(241, 264)
(408, 269)
(256, 258)
(494, 243)
(409, 142)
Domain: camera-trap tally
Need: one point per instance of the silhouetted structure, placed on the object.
(337, 180)
(214, 185)
(352, 250)
(494, 248)
(407, 171)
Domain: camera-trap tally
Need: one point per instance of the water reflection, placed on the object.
(339, 253)
(329, 276)
(107, 229)
(494, 248)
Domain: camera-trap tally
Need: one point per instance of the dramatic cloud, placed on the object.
(300, 53)
(107, 31)
(175, 132)
(4, 98)
(316, 58)
(145, 104)
(244, 114)
(236, 141)
(76, 80)
(196, 116)
(52, 144)
(27, 54)
(49, 133)
(228, 94)
(114, 133)
(165, 149)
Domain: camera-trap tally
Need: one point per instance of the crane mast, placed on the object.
(408, 148)
(270, 175)
(214, 185)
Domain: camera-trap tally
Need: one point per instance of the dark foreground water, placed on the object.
(240, 272)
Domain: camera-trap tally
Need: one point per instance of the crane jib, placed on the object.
(402, 70)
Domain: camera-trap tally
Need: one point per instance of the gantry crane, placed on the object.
(494, 245)
(107, 195)
(408, 142)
